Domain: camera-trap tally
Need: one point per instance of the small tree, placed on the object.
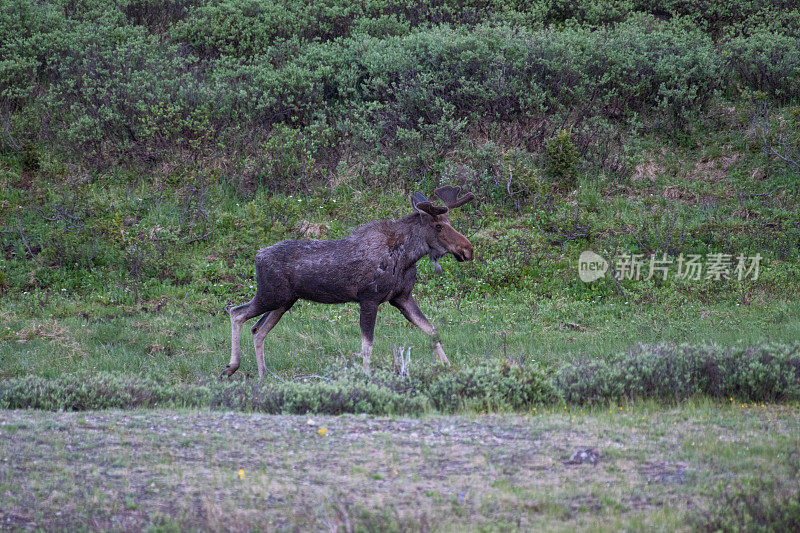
(561, 158)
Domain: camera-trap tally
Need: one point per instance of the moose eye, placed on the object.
(438, 227)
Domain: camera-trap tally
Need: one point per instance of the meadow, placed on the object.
(149, 148)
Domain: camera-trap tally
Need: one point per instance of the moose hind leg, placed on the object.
(369, 312)
(239, 315)
(409, 308)
(260, 330)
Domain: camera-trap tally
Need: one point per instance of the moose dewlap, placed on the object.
(376, 263)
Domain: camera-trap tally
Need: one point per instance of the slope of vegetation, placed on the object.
(149, 147)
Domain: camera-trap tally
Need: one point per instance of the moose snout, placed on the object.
(464, 253)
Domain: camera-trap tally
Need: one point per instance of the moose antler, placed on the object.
(421, 203)
(449, 195)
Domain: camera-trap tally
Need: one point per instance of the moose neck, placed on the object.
(416, 245)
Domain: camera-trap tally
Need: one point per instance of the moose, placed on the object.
(376, 263)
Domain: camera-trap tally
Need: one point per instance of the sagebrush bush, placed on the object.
(108, 391)
(490, 387)
(503, 387)
(96, 391)
(671, 372)
(332, 398)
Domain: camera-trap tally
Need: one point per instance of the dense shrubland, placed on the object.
(289, 90)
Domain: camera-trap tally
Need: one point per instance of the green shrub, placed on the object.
(288, 155)
(491, 387)
(30, 158)
(108, 391)
(648, 66)
(561, 158)
(332, 398)
(30, 33)
(381, 77)
(125, 95)
(670, 372)
(764, 60)
(502, 386)
(95, 391)
(661, 371)
(713, 16)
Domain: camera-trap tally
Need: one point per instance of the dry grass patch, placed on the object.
(54, 332)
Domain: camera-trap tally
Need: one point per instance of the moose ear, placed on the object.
(420, 203)
(450, 196)
(433, 210)
(418, 198)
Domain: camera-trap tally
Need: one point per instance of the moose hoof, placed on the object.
(229, 370)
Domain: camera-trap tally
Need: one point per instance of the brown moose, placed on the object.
(376, 263)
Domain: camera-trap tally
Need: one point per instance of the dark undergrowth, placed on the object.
(668, 372)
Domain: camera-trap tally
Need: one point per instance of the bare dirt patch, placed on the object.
(647, 170)
(714, 169)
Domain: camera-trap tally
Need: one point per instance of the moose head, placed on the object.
(440, 235)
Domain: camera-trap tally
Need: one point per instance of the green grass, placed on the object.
(133, 275)
(137, 287)
(182, 342)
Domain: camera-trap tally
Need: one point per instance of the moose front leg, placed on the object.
(409, 308)
(369, 311)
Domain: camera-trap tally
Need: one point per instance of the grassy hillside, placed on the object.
(149, 148)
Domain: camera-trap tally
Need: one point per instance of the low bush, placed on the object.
(332, 398)
(96, 391)
(671, 372)
(562, 158)
(501, 387)
(109, 391)
(662, 372)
